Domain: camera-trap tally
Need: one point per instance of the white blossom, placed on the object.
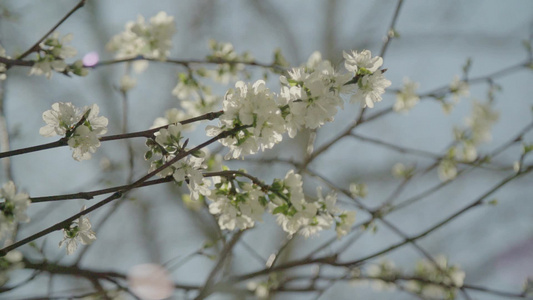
(83, 142)
(172, 116)
(52, 54)
(384, 269)
(184, 91)
(261, 290)
(225, 72)
(477, 131)
(151, 40)
(445, 279)
(237, 208)
(13, 208)
(481, 121)
(189, 169)
(343, 227)
(60, 119)
(370, 88)
(78, 231)
(198, 107)
(127, 83)
(406, 98)
(362, 62)
(459, 88)
(63, 118)
(468, 151)
(253, 107)
(310, 95)
(297, 215)
(46, 65)
(358, 190)
(402, 171)
(447, 169)
(58, 46)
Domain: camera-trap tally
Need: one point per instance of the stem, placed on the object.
(92, 194)
(146, 134)
(116, 195)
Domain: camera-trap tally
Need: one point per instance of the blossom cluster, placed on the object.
(240, 204)
(435, 279)
(81, 127)
(262, 288)
(444, 279)
(12, 209)
(164, 148)
(237, 204)
(151, 39)
(371, 83)
(297, 215)
(407, 97)
(77, 232)
(229, 70)
(52, 54)
(476, 132)
(310, 96)
(384, 274)
(459, 88)
(254, 109)
(195, 97)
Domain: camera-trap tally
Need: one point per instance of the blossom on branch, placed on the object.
(166, 145)
(297, 215)
(310, 95)
(406, 98)
(254, 108)
(459, 88)
(481, 121)
(52, 54)
(361, 63)
(82, 127)
(369, 81)
(225, 52)
(237, 204)
(444, 279)
(13, 208)
(150, 40)
(78, 231)
(370, 88)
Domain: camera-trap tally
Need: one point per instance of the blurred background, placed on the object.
(492, 244)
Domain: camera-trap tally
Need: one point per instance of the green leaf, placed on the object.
(280, 209)
(148, 155)
(526, 148)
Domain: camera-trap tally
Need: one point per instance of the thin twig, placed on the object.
(226, 252)
(145, 133)
(35, 47)
(116, 195)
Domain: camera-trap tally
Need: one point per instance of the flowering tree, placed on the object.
(209, 169)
